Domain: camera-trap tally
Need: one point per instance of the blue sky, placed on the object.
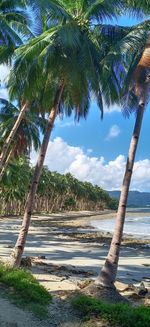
(93, 132)
(108, 139)
(97, 135)
(95, 150)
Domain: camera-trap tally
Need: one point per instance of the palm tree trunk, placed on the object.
(108, 273)
(6, 163)
(19, 247)
(11, 136)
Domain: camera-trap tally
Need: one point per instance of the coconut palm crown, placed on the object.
(14, 27)
(67, 50)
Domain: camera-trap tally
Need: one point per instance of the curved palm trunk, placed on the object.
(20, 244)
(11, 136)
(108, 273)
(5, 164)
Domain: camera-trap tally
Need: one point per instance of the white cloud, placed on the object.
(59, 155)
(64, 158)
(113, 132)
(113, 108)
(63, 123)
(107, 110)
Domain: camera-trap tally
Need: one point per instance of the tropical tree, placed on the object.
(27, 135)
(10, 137)
(14, 30)
(135, 99)
(15, 186)
(67, 56)
(14, 27)
(55, 192)
(83, 13)
(18, 25)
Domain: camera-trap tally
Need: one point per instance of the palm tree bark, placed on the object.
(108, 273)
(11, 136)
(20, 244)
(5, 164)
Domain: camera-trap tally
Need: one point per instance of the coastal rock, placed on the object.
(42, 257)
(142, 291)
(26, 262)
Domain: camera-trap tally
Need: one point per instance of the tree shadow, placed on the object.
(83, 255)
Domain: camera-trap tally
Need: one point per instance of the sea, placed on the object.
(137, 223)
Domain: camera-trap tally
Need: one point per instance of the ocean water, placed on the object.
(134, 225)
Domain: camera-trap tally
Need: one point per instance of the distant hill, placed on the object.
(135, 199)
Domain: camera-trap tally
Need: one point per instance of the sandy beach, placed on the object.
(65, 250)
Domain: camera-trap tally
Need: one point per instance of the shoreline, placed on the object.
(81, 224)
(65, 263)
(64, 251)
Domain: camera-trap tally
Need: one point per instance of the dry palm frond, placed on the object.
(145, 59)
(140, 73)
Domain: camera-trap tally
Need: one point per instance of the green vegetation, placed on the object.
(121, 314)
(24, 290)
(56, 192)
(28, 132)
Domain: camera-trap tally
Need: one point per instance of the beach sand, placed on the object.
(66, 250)
(66, 254)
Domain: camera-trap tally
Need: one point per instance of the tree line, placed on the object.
(56, 192)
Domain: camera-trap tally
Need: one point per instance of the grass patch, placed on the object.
(25, 290)
(122, 315)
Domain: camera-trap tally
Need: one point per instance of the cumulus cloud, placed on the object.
(113, 132)
(64, 158)
(111, 109)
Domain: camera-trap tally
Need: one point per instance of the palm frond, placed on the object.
(6, 54)
(101, 10)
(53, 8)
(138, 8)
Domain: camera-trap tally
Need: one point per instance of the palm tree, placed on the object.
(79, 14)
(57, 54)
(67, 56)
(55, 191)
(10, 137)
(135, 99)
(13, 21)
(27, 135)
(14, 186)
(38, 169)
(14, 27)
